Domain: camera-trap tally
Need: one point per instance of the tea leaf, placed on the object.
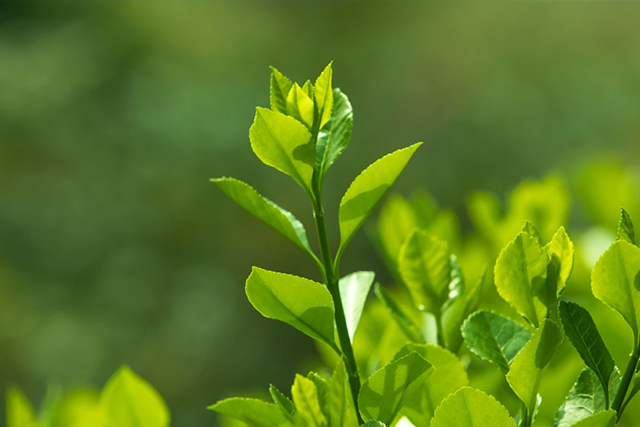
(625, 228)
(373, 423)
(521, 274)
(302, 303)
(367, 189)
(339, 406)
(425, 268)
(300, 106)
(448, 376)
(582, 332)
(265, 210)
(599, 419)
(469, 407)
(494, 338)
(402, 319)
(384, 393)
(561, 253)
(280, 87)
(253, 412)
(129, 401)
(305, 397)
(285, 144)
(527, 367)
(334, 137)
(283, 402)
(354, 289)
(324, 95)
(585, 398)
(615, 280)
(20, 412)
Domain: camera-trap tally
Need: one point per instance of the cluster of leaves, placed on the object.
(424, 382)
(125, 401)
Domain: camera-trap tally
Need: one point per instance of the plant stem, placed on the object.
(330, 274)
(626, 380)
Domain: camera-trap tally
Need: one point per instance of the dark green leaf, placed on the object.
(494, 338)
(581, 330)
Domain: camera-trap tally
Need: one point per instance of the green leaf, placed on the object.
(625, 228)
(324, 95)
(20, 412)
(285, 144)
(585, 398)
(561, 254)
(253, 412)
(521, 278)
(283, 402)
(373, 423)
(384, 393)
(367, 189)
(532, 231)
(354, 289)
(494, 338)
(334, 137)
(402, 319)
(615, 280)
(305, 397)
(302, 303)
(581, 330)
(528, 365)
(469, 407)
(129, 401)
(396, 220)
(425, 268)
(600, 419)
(448, 376)
(280, 87)
(300, 106)
(308, 88)
(339, 405)
(264, 209)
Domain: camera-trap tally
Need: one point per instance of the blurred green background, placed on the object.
(115, 248)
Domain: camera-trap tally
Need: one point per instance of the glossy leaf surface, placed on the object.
(469, 407)
(302, 303)
(323, 95)
(494, 338)
(284, 143)
(279, 90)
(384, 393)
(599, 419)
(367, 189)
(334, 138)
(300, 106)
(561, 253)
(354, 289)
(253, 412)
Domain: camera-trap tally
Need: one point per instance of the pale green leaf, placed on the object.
(253, 412)
(265, 210)
(586, 398)
(625, 228)
(469, 407)
(308, 88)
(285, 144)
(79, 407)
(280, 87)
(561, 253)
(324, 95)
(410, 329)
(354, 289)
(367, 189)
(532, 231)
(615, 280)
(528, 365)
(581, 330)
(300, 106)
(599, 419)
(129, 401)
(339, 404)
(494, 338)
(20, 412)
(521, 278)
(334, 137)
(384, 393)
(448, 376)
(283, 402)
(305, 398)
(302, 303)
(425, 268)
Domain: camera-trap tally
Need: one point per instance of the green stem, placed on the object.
(333, 286)
(626, 380)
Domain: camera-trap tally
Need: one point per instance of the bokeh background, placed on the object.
(114, 247)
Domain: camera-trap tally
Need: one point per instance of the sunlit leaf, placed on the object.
(469, 407)
(600, 419)
(625, 228)
(280, 87)
(354, 289)
(305, 398)
(411, 330)
(300, 106)
(283, 402)
(334, 137)
(561, 254)
(20, 412)
(253, 412)
(339, 406)
(323, 95)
